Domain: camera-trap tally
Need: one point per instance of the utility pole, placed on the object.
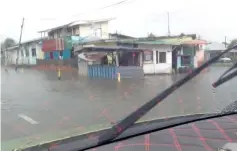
(225, 42)
(19, 43)
(168, 23)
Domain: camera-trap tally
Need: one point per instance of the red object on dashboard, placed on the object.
(53, 45)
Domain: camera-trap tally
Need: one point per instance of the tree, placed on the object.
(182, 34)
(8, 42)
(232, 43)
(151, 35)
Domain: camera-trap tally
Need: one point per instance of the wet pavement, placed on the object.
(35, 102)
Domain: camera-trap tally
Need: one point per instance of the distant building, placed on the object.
(29, 52)
(213, 49)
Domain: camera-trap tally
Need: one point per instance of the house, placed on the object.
(29, 52)
(163, 55)
(60, 40)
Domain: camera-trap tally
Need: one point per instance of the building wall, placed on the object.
(103, 32)
(84, 30)
(155, 67)
(29, 59)
(200, 57)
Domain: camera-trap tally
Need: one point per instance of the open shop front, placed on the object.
(111, 63)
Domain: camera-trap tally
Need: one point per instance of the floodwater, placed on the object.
(36, 102)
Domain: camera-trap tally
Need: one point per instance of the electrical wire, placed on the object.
(97, 9)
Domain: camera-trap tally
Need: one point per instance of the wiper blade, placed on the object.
(227, 71)
(128, 121)
(224, 79)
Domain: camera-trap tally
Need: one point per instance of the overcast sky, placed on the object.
(212, 19)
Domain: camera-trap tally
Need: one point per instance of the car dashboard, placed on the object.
(208, 135)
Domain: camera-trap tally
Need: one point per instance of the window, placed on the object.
(27, 52)
(51, 55)
(33, 52)
(148, 55)
(162, 57)
(157, 57)
(185, 60)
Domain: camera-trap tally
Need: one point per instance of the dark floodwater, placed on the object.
(80, 102)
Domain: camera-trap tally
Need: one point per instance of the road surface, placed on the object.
(36, 106)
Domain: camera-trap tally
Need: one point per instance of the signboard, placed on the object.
(53, 44)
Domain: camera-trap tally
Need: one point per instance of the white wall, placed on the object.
(103, 32)
(28, 60)
(85, 30)
(154, 67)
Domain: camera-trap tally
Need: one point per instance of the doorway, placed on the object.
(175, 51)
(51, 55)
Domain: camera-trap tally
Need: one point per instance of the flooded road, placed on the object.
(36, 102)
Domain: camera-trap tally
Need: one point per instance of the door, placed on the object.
(148, 62)
(156, 62)
(51, 55)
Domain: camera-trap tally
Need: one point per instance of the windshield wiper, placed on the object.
(222, 79)
(128, 121)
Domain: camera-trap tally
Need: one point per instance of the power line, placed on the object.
(101, 8)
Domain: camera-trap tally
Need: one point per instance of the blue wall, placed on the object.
(47, 55)
(55, 54)
(66, 54)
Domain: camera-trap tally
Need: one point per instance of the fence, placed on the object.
(98, 71)
(111, 72)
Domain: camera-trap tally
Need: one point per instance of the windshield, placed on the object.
(85, 72)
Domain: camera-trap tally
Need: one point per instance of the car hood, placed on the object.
(91, 133)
